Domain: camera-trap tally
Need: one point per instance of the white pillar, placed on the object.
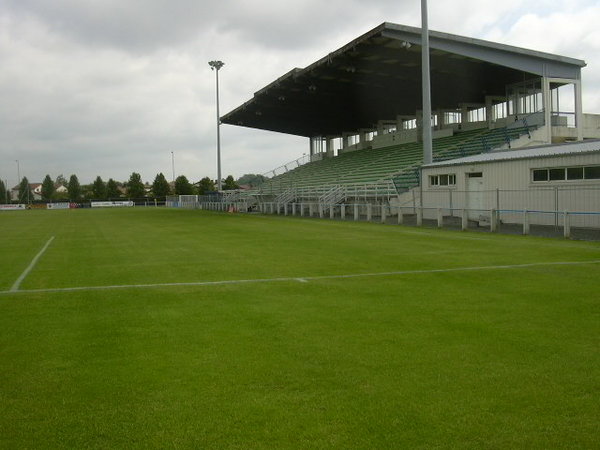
(578, 110)
(547, 96)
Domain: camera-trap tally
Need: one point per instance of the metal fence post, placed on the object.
(383, 213)
(369, 211)
(440, 218)
(343, 211)
(419, 216)
(464, 219)
(525, 222)
(400, 216)
(567, 225)
(356, 211)
(493, 220)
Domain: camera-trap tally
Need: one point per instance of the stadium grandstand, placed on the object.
(361, 109)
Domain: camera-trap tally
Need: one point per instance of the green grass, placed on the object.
(492, 358)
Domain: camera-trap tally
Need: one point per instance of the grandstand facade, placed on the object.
(360, 108)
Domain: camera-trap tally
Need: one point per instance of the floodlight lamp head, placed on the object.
(216, 65)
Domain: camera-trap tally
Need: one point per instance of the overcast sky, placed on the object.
(110, 87)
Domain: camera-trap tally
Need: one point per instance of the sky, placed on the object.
(110, 87)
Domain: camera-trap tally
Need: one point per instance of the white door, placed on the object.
(475, 200)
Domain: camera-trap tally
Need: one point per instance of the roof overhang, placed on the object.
(378, 77)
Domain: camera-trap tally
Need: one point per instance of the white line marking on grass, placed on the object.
(15, 286)
(305, 279)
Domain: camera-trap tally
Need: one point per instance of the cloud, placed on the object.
(107, 88)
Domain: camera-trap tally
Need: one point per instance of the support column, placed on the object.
(547, 96)
(578, 109)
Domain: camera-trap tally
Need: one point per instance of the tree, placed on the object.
(99, 188)
(206, 185)
(135, 187)
(24, 191)
(112, 189)
(230, 184)
(4, 198)
(74, 188)
(183, 186)
(251, 179)
(160, 187)
(47, 188)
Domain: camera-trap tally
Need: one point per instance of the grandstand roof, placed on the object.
(378, 76)
(569, 148)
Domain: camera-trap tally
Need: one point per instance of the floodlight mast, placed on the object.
(216, 66)
(426, 81)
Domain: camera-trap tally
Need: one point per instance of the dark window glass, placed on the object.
(475, 175)
(443, 180)
(592, 173)
(433, 180)
(557, 174)
(452, 180)
(574, 173)
(540, 175)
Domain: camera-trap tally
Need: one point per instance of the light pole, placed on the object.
(216, 66)
(173, 166)
(427, 138)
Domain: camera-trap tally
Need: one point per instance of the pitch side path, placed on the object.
(169, 328)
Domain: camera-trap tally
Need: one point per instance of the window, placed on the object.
(442, 180)
(557, 174)
(566, 174)
(540, 175)
(575, 173)
(592, 173)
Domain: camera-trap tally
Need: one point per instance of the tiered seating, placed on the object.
(399, 163)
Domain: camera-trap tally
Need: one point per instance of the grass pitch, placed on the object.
(325, 334)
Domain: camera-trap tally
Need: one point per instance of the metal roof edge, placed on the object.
(488, 44)
(521, 153)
